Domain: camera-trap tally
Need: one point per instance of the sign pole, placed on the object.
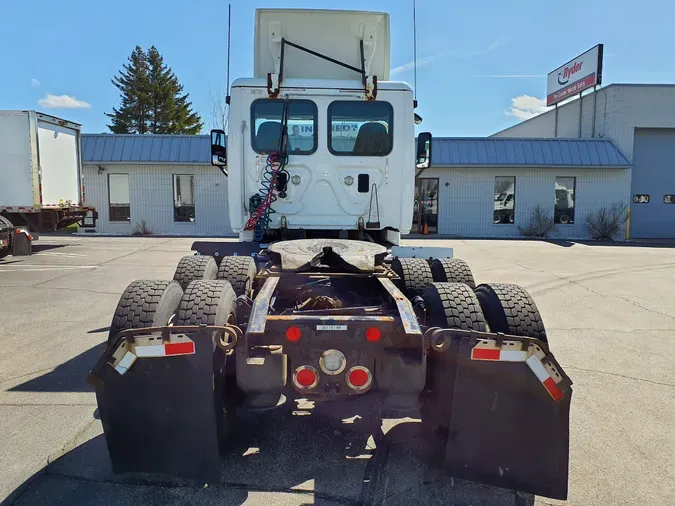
(555, 133)
(581, 105)
(595, 109)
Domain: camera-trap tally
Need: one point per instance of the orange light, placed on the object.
(293, 334)
(373, 334)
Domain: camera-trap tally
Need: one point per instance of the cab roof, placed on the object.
(326, 84)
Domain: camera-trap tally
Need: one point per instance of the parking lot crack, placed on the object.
(619, 375)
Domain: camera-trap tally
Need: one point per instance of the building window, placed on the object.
(118, 198)
(301, 125)
(563, 212)
(505, 200)
(641, 198)
(183, 197)
(669, 199)
(360, 128)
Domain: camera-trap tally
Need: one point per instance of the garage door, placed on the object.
(653, 176)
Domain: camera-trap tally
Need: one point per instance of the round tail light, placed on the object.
(359, 378)
(293, 334)
(305, 377)
(373, 334)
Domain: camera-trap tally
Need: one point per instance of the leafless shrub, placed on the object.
(142, 229)
(605, 223)
(540, 225)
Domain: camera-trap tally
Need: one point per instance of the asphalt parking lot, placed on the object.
(609, 312)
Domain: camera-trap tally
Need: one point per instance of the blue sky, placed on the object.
(482, 64)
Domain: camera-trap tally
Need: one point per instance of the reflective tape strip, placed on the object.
(127, 361)
(498, 355)
(186, 348)
(150, 351)
(485, 354)
(165, 350)
(542, 375)
(538, 368)
(553, 389)
(512, 356)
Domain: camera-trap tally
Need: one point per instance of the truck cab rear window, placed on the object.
(360, 128)
(266, 117)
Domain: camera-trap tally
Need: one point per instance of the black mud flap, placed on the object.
(502, 425)
(160, 417)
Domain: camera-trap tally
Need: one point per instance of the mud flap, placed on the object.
(160, 416)
(503, 427)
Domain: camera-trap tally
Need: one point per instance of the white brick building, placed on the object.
(467, 174)
(640, 119)
(166, 181)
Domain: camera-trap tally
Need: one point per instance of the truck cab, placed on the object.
(319, 135)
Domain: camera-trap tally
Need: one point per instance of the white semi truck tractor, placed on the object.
(319, 299)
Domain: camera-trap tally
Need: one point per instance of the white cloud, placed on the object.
(421, 62)
(525, 107)
(34, 83)
(62, 102)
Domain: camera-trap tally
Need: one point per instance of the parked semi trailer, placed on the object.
(41, 183)
(319, 299)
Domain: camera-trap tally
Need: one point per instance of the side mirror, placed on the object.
(219, 150)
(423, 160)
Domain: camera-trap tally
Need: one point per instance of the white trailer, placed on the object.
(41, 183)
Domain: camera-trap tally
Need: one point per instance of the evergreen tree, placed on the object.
(171, 112)
(132, 81)
(153, 100)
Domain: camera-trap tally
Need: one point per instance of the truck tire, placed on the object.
(5, 223)
(207, 302)
(194, 267)
(510, 309)
(213, 302)
(452, 270)
(415, 275)
(145, 304)
(239, 271)
(453, 305)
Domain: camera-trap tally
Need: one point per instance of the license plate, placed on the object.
(331, 327)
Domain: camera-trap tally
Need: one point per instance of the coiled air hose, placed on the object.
(260, 204)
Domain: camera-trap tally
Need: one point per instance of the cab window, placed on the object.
(360, 128)
(266, 117)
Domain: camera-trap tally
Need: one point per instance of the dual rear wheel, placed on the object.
(201, 293)
(453, 300)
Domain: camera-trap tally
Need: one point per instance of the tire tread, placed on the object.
(521, 316)
(194, 267)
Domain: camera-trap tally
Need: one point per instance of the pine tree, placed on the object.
(152, 94)
(132, 116)
(171, 112)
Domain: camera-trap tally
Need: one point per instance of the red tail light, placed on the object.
(293, 334)
(373, 334)
(305, 377)
(359, 378)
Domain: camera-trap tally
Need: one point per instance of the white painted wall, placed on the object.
(620, 108)
(151, 192)
(466, 203)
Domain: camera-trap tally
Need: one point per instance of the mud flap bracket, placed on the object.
(503, 425)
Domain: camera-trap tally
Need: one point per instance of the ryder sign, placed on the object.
(575, 76)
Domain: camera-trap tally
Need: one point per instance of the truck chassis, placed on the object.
(344, 320)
